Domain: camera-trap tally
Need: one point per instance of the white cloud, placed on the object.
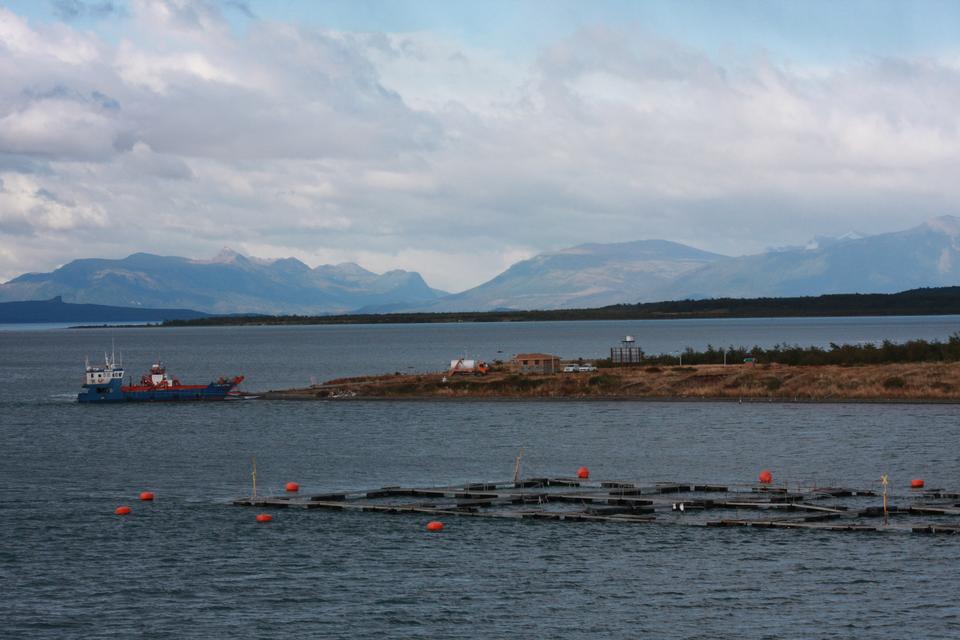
(412, 150)
(58, 42)
(60, 127)
(158, 72)
(26, 208)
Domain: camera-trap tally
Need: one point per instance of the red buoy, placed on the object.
(293, 487)
(146, 496)
(766, 477)
(434, 525)
(122, 510)
(583, 473)
(916, 483)
(264, 517)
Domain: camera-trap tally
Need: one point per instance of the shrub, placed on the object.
(772, 384)
(894, 382)
(520, 383)
(405, 388)
(603, 380)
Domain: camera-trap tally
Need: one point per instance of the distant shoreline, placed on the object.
(938, 301)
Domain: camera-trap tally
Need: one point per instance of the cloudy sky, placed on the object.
(455, 138)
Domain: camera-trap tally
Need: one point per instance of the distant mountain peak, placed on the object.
(949, 225)
(851, 235)
(653, 244)
(230, 256)
(819, 242)
(226, 255)
(346, 269)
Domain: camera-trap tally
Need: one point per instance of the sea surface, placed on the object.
(191, 565)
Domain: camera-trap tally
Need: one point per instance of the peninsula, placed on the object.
(906, 382)
(917, 370)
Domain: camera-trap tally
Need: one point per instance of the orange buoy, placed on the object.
(293, 487)
(434, 525)
(146, 496)
(583, 473)
(264, 517)
(122, 510)
(916, 483)
(765, 476)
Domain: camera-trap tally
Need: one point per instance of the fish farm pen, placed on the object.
(926, 511)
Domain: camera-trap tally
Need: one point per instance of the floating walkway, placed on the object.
(666, 503)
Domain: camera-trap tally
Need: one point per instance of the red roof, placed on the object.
(535, 356)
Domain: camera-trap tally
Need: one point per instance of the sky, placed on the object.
(455, 138)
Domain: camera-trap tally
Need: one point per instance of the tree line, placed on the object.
(926, 301)
(836, 354)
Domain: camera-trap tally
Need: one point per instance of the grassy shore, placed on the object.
(923, 381)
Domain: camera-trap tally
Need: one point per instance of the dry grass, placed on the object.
(903, 382)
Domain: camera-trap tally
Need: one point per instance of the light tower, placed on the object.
(628, 353)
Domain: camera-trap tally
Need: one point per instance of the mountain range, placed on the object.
(593, 275)
(587, 275)
(925, 256)
(228, 283)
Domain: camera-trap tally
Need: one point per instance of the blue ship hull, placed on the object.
(114, 391)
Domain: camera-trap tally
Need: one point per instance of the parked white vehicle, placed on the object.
(579, 368)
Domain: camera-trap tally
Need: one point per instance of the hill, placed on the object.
(56, 310)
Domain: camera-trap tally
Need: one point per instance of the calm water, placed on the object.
(191, 565)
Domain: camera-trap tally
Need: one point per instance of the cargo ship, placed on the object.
(105, 384)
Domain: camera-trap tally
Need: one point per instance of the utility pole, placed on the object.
(884, 480)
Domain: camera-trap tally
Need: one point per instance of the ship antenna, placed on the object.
(113, 351)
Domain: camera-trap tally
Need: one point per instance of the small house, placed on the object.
(535, 363)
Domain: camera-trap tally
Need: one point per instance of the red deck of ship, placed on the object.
(180, 387)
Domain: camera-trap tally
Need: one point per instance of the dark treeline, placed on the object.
(928, 301)
(839, 354)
